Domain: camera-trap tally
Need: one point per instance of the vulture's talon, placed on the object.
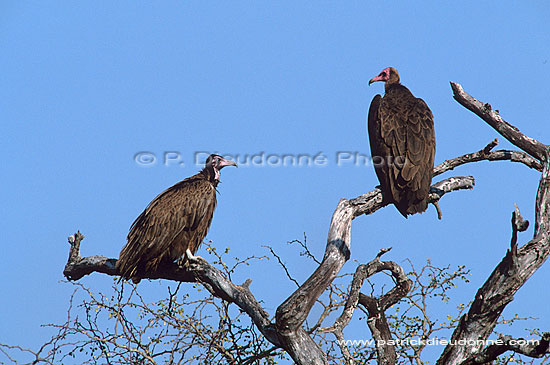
(189, 255)
(192, 258)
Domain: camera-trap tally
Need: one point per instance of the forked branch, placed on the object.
(292, 313)
(375, 307)
(493, 118)
(518, 264)
(486, 154)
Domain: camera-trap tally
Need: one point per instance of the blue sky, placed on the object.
(87, 85)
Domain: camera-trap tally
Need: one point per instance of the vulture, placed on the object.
(175, 221)
(402, 142)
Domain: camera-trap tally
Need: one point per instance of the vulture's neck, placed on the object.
(398, 90)
(210, 174)
(392, 86)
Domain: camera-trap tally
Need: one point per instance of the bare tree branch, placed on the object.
(519, 264)
(375, 307)
(531, 348)
(281, 263)
(361, 273)
(78, 266)
(199, 271)
(492, 117)
(372, 201)
(486, 154)
(292, 313)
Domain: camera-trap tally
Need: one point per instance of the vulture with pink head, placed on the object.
(402, 142)
(175, 221)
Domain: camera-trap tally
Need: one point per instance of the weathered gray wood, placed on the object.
(293, 312)
(486, 154)
(501, 286)
(537, 349)
(376, 308)
(492, 117)
(518, 264)
(199, 270)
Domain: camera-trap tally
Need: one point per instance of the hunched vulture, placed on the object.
(402, 142)
(175, 221)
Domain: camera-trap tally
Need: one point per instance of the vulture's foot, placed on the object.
(190, 256)
(189, 259)
(183, 262)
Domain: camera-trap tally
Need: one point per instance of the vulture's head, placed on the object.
(389, 75)
(214, 163)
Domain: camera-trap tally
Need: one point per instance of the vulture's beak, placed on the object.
(377, 78)
(374, 79)
(224, 162)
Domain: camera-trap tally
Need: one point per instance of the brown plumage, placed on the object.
(176, 220)
(402, 142)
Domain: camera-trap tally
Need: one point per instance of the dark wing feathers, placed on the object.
(378, 148)
(401, 129)
(177, 219)
(374, 127)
